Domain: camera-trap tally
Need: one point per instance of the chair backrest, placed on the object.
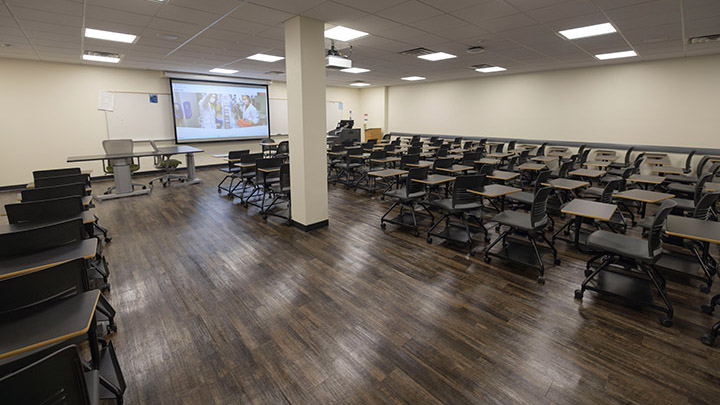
(483, 142)
(458, 140)
(412, 187)
(467, 145)
(469, 158)
(542, 177)
(285, 177)
(701, 165)
(499, 148)
(628, 155)
(42, 286)
(461, 195)
(370, 141)
(337, 148)
(583, 156)
(414, 150)
(484, 168)
(607, 193)
(714, 169)
(442, 163)
(417, 144)
(46, 193)
(254, 157)
(236, 154)
(39, 174)
(541, 150)
(389, 148)
(433, 139)
(55, 379)
(117, 146)
(688, 162)
(524, 156)
(511, 145)
(512, 163)
(656, 229)
(538, 210)
(353, 152)
(638, 160)
(700, 187)
(415, 138)
(581, 149)
(375, 155)
(703, 208)
(564, 169)
(62, 180)
(40, 238)
(442, 152)
(411, 159)
(44, 210)
(367, 145)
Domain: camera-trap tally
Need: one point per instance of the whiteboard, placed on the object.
(279, 115)
(135, 117)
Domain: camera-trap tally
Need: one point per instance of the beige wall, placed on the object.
(49, 112)
(373, 102)
(672, 102)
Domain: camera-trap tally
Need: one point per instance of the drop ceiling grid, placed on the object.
(518, 34)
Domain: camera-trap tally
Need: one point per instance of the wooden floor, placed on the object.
(216, 306)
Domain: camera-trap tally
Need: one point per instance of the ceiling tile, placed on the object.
(485, 11)
(291, 6)
(370, 6)
(508, 23)
(260, 14)
(241, 26)
(218, 7)
(410, 12)
(119, 16)
(334, 13)
(560, 11)
(188, 15)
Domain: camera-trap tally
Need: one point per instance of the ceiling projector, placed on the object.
(335, 59)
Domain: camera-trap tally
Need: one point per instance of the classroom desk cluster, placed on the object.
(53, 276)
(454, 189)
(259, 179)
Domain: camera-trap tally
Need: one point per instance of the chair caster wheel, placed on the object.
(557, 262)
(708, 309)
(541, 280)
(707, 340)
(704, 289)
(428, 240)
(578, 294)
(111, 328)
(383, 226)
(666, 322)
(487, 259)
(588, 273)
(108, 239)
(567, 232)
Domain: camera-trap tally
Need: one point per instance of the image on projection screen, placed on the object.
(215, 112)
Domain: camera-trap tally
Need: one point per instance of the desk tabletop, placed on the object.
(606, 158)
(517, 151)
(639, 178)
(268, 169)
(48, 324)
(499, 154)
(178, 150)
(532, 166)
(643, 195)
(13, 266)
(712, 187)
(220, 155)
(589, 209)
(488, 161)
(246, 164)
(544, 159)
(503, 175)
(567, 184)
(386, 160)
(597, 163)
(494, 143)
(558, 148)
(587, 173)
(692, 228)
(496, 190)
(434, 179)
(342, 153)
(388, 173)
(269, 143)
(361, 156)
(555, 153)
(668, 170)
(655, 155)
(657, 160)
(88, 158)
(528, 146)
(605, 151)
(421, 163)
(455, 168)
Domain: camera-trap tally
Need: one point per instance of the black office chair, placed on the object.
(231, 170)
(541, 150)
(562, 171)
(414, 150)
(633, 253)
(531, 225)
(280, 192)
(687, 178)
(372, 165)
(462, 206)
(58, 378)
(510, 146)
(686, 206)
(349, 167)
(526, 198)
(268, 149)
(469, 158)
(510, 166)
(688, 189)
(442, 163)
(581, 159)
(264, 180)
(246, 175)
(625, 162)
(635, 166)
(413, 193)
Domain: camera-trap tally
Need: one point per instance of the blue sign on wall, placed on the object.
(153, 98)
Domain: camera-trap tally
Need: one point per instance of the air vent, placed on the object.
(704, 39)
(102, 54)
(417, 52)
(475, 49)
(482, 66)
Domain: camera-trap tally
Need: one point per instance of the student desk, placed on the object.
(121, 169)
(386, 160)
(646, 181)
(643, 197)
(14, 266)
(597, 163)
(657, 160)
(503, 175)
(488, 161)
(587, 173)
(421, 163)
(435, 179)
(668, 170)
(559, 153)
(455, 168)
(535, 167)
(499, 155)
(499, 191)
(220, 156)
(557, 148)
(387, 175)
(582, 210)
(543, 159)
(704, 231)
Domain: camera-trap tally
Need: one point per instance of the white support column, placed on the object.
(305, 73)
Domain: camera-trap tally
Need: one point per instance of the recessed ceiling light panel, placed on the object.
(413, 78)
(360, 84)
(110, 36)
(106, 57)
(355, 70)
(437, 56)
(265, 58)
(589, 31)
(341, 33)
(616, 55)
(223, 71)
(490, 69)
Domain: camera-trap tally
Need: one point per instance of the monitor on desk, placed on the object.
(217, 111)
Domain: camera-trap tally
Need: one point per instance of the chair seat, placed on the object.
(133, 168)
(616, 171)
(349, 166)
(446, 204)
(523, 197)
(170, 162)
(679, 178)
(230, 170)
(276, 188)
(684, 204)
(400, 194)
(682, 188)
(593, 192)
(625, 246)
(617, 165)
(519, 220)
(248, 175)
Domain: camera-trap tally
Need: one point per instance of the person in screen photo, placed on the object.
(208, 110)
(250, 114)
